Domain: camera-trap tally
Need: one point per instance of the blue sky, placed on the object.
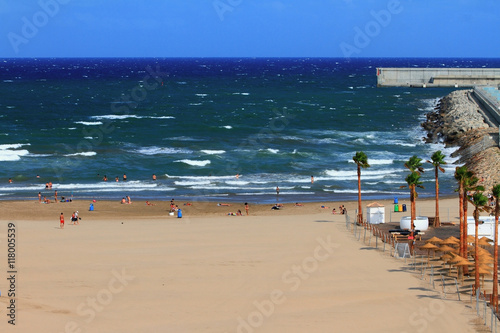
(249, 28)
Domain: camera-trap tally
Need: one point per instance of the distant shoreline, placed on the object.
(113, 209)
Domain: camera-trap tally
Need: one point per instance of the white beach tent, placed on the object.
(375, 213)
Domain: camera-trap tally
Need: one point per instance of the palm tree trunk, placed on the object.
(495, 263)
(437, 221)
(461, 214)
(476, 253)
(360, 212)
(412, 216)
(466, 204)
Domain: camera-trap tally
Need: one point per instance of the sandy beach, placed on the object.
(133, 268)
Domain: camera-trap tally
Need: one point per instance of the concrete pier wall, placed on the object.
(490, 99)
(437, 77)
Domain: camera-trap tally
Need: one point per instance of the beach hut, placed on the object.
(486, 226)
(375, 213)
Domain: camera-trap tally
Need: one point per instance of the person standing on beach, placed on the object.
(55, 196)
(61, 221)
(246, 207)
(39, 197)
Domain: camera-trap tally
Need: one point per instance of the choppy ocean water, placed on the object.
(197, 123)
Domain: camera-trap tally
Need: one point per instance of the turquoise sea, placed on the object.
(198, 123)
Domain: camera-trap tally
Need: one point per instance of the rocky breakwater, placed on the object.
(458, 121)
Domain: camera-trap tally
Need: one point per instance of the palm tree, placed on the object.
(437, 159)
(480, 202)
(469, 185)
(462, 173)
(414, 164)
(496, 194)
(361, 161)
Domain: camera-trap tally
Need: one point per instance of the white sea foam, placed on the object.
(162, 150)
(273, 151)
(127, 116)
(237, 182)
(89, 123)
(115, 117)
(365, 174)
(201, 95)
(226, 188)
(192, 182)
(183, 138)
(227, 127)
(376, 162)
(212, 152)
(13, 145)
(201, 177)
(15, 188)
(367, 191)
(194, 163)
(85, 153)
(11, 152)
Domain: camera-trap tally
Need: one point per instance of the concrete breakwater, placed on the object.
(460, 120)
(437, 77)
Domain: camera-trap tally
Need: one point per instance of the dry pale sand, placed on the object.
(130, 268)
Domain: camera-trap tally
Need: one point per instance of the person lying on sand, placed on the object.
(219, 204)
(298, 204)
(149, 203)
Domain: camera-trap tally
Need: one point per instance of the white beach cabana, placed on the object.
(375, 213)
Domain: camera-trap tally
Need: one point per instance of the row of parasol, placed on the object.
(450, 247)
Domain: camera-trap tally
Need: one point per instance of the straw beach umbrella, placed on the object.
(453, 239)
(445, 248)
(429, 247)
(446, 261)
(482, 272)
(434, 240)
(462, 263)
(450, 242)
(486, 239)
